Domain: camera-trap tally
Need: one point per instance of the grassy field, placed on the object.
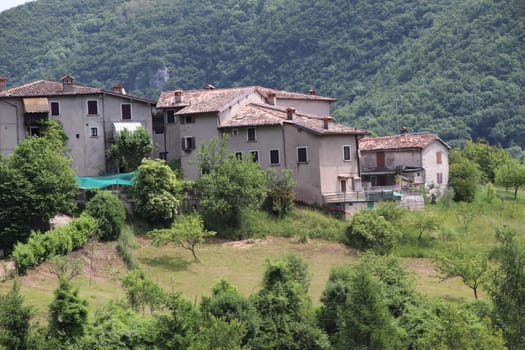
(243, 262)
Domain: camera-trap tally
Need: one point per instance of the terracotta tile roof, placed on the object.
(41, 88)
(292, 95)
(395, 142)
(257, 115)
(203, 101)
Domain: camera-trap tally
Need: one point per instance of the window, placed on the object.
(170, 116)
(302, 154)
(274, 157)
(92, 107)
(163, 155)
(238, 155)
(254, 156)
(439, 157)
(187, 119)
(343, 185)
(380, 159)
(125, 109)
(34, 131)
(188, 143)
(94, 132)
(235, 132)
(347, 156)
(251, 134)
(439, 178)
(55, 108)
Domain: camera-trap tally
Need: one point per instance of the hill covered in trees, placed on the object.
(455, 68)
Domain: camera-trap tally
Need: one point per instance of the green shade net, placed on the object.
(124, 179)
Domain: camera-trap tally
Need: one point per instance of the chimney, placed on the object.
(210, 87)
(3, 83)
(403, 130)
(117, 88)
(327, 122)
(312, 92)
(67, 83)
(178, 96)
(272, 98)
(290, 113)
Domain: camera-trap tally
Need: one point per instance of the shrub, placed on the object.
(109, 211)
(369, 231)
(24, 257)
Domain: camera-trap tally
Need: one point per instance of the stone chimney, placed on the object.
(312, 92)
(117, 88)
(327, 122)
(3, 83)
(272, 98)
(67, 83)
(179, 96)
(290, 113)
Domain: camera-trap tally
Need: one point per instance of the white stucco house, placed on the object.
(404, 161)
(90, 116)
(278, 129)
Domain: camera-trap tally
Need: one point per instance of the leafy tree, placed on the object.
(391, 212)
(141, 291)
(65, 268)
(230, 185)
(507, 290)
(365, 322)
(187, 231)
(511, 174)
(369, 231)
(487, 157)
(425, 223)
(156, 192)
(471, 267)
(216, 333)
(109, 212)
(280, 192)
(14, 319)
(67, 314)
(129, 148)
(463, 178)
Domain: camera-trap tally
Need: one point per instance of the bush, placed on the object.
(109, 211)
(24, 257)
(369, 231)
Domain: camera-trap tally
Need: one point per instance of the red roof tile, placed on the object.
(395, 142)
(292, 95)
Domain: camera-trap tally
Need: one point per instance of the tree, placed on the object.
(369, 231)
(487, 157)
(156, 193)
(219, 334)
(507, 290)
(14, 319)
(41, 184)
(67, 314)
(186, 231)
(230, 185)
(109, 212)
(280, 192)
(471, 267)
(463, 177)
(364, 322)
(141, 291)
(425, 223)
(130, 148)
(511, 174)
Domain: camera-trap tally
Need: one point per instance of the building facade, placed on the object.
(90, 117)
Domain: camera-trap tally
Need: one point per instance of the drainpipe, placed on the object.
(357, 138)
(16, 119)
(103, 133)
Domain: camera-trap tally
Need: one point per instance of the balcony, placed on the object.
(343, 197)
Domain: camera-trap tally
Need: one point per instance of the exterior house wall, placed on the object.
(320, 108)
(11, 125)
(204, 129)
(307, 175)
(267, 138)
(234, 108)
(411, 158)
(332, 163)
(432, 168)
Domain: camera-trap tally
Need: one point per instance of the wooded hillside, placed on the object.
(451, 67)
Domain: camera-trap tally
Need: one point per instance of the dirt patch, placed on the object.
(421, 266)
(60, 220)
(248, 243)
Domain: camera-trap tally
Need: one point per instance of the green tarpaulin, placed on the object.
(124, 179)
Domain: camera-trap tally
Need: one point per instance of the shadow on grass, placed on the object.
(167, 262)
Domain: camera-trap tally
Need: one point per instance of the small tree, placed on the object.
(187, 231)
(463, 177)
(130, 148)
(471, 267)
(67, 314)
(369, 231)
(280, 192)
(425, 223)
(109, 212)
(141, 291)
(511, 175)
(14, 319)
(156, 192)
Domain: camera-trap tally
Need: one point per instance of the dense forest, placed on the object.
(451, 67)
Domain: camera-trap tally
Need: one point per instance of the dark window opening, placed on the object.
(92, 107)
(302, 155)
(346, 153)
(274, 157)
(254, 155)
(170, 116)
(251, 134)
(55, 109)
(126, 110)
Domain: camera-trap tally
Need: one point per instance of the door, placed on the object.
(343, 185)
(380, 159)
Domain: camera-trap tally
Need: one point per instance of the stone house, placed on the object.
(91, 117)
(278, 129)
